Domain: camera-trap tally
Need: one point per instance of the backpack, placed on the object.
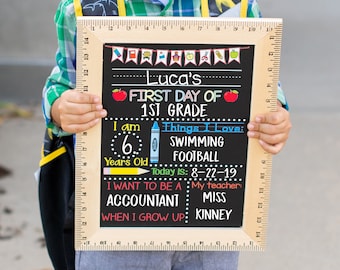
(209, 8)
(56, 199)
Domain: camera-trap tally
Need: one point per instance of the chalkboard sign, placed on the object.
(172, 158)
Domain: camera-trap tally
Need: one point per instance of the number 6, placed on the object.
(126, 147)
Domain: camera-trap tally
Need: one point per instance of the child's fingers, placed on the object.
(80, 108)
(280, 115)
(271, 123)
(268, 138)
(73, 96)
(266, 128)
(76, 128)
(73, 118)
(78, 123)
(75, 111)
(271, 129)
(271, 148)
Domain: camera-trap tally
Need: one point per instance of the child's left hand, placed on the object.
(271, 129)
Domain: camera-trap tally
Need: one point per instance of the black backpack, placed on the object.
(56, 199)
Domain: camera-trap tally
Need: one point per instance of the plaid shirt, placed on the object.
(63, 76)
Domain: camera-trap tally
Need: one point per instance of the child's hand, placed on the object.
(272, 129)
(75, 112)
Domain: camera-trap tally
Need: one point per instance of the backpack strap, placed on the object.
(79, 10)
(244, 9)
(204, 8)
(243, 13)
(121, 8)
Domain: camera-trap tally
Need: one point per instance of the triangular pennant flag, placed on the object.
(234, 55)
(176, 58)
(205, 56)
(190, 57)
(146, 56)
(162, 57)
(132, 55)
(117, 54)
(219, 56)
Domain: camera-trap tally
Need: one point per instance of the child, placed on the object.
(68, 112)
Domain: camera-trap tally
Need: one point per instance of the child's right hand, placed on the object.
(75, 111)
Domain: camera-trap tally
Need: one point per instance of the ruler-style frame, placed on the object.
(92, 33)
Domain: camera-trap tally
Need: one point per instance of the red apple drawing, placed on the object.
(119, 94)
(231, 96)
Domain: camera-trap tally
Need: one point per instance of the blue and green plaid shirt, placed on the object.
(63, 76)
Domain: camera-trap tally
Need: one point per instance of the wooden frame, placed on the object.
(95, 35)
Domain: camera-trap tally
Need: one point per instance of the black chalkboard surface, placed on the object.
(171, 166)
(177, 117)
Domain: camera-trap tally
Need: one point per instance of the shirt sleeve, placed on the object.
(63, 75)
(253, 9)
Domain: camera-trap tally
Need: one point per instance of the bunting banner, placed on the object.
(219, 56)
(205, 57)
(162, 57)
(234, 55)
(190, 57)
(146, 56)
(132, 55)
(117, 54)
(176, 57)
